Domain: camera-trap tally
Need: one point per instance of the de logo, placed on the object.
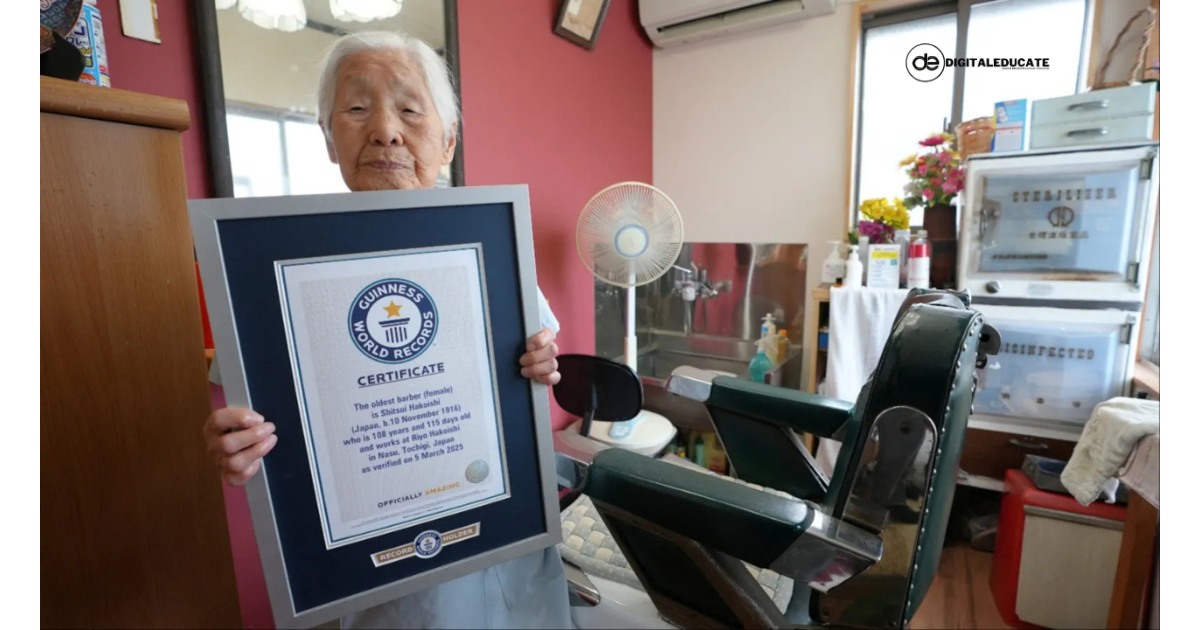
(925, 62)
(393, 320)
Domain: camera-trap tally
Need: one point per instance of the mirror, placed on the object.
(260, 93)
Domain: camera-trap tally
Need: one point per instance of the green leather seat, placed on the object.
(862, 546)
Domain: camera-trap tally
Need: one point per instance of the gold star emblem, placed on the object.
(393, 310)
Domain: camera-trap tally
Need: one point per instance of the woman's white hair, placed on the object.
(437, 74)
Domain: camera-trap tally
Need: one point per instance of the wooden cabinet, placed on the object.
(133, 529)
(990, 453)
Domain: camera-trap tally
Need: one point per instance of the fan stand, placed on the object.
(647, 433)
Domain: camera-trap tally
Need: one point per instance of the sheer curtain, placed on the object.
(256, 156)
(898, 111)
(1050, 29)
(309, 170)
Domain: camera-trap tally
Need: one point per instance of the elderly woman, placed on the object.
(390, 119)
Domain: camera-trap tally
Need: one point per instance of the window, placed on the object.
(276, 153)
(896, 110)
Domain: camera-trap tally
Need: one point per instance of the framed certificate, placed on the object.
(381, 332)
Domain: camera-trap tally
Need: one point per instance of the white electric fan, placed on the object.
(629, 235)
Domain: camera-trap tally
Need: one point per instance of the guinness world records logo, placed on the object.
(393, 320)
(427, 544)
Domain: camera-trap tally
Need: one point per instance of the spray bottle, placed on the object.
(761, 364)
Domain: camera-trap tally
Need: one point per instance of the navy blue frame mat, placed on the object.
(250, 248)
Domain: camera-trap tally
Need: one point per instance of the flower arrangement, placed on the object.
(881, 218)
(936, 176)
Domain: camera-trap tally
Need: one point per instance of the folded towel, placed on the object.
(1140, 473)
(860, 321)
(1108, 439)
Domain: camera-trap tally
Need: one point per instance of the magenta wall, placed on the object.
(168, 69)
(568, 122)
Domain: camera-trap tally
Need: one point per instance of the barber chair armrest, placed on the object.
(796, 410)
(580, 589)
(788, 536)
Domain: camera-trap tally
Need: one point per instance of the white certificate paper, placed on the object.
(391, 354)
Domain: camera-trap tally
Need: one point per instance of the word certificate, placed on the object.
(392, 359)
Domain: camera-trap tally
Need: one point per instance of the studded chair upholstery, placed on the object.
(862, 546)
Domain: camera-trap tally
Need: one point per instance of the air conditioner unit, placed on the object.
(676, 22)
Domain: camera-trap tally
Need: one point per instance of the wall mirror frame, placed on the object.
(215, 109)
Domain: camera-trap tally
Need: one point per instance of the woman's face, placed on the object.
(386, 133)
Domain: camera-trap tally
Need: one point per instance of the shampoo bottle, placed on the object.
(768, 327)
(854, 270)
(834, 266)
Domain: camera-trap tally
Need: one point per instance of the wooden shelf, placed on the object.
(80, 100)
(816, 364)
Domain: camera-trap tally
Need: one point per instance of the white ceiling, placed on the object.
(424, 19)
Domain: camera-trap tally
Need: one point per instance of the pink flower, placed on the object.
(945, 157)
(928, 194)
(951, 188)
(933, 141)
(923, 169)
(937, 181)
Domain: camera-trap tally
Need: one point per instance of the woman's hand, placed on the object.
(539, 360)
(237, 440)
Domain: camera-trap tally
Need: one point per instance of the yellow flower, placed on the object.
(908, 160)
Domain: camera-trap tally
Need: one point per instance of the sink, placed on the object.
(720, 354)
(656, 366)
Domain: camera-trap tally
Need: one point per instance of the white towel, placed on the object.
(860, 321)
(1108, 439)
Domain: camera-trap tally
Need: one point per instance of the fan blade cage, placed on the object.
(629, 234)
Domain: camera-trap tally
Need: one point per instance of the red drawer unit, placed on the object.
(1022, 504)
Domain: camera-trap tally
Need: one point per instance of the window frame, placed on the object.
(885, 13)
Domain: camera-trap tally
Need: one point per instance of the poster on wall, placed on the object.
(380, 332)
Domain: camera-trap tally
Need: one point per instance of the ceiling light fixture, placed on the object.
(364, 10)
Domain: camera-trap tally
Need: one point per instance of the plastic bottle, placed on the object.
(918, 261)
(761, 364)
(834, 266)
(903, 238)
(768, 327)
(854, 270)
(88, 37)
(782, 345)
(864, 251)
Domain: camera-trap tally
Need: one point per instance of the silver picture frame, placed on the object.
(207, 217)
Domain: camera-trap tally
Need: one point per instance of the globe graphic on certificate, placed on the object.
(477, 471)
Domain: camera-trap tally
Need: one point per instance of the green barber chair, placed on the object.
(863, 546)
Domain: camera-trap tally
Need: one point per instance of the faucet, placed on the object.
(694, 286)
